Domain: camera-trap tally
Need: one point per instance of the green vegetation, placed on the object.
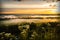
(30, 31)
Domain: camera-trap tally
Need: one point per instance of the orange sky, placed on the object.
(30, 11)
(29, 8)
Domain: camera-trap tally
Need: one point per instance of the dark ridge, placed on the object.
(30, 14)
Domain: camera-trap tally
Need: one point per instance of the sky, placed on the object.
(28, 7)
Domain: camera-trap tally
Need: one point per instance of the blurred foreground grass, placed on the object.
(30, 31)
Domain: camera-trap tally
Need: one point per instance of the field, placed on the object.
(29, 29)
(29, 20)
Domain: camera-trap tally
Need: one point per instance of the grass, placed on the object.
(30, 31)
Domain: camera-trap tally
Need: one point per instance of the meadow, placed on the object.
(30, 31)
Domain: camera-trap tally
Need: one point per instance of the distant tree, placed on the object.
(58, 0)
(18, 0)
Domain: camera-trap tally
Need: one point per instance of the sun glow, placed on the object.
(41, 8)
(31, 11)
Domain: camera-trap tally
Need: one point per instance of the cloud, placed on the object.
(27, 5)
